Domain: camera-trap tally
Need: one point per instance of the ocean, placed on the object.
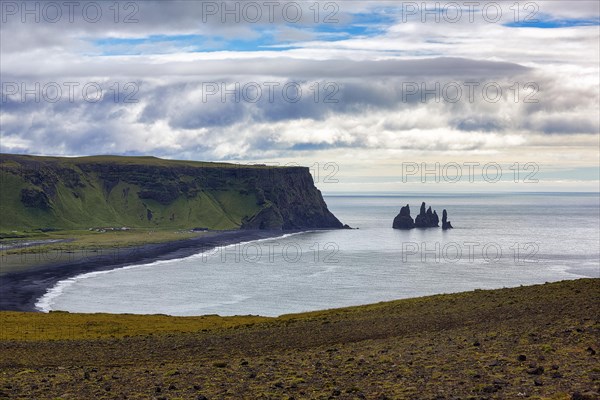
(500, 240)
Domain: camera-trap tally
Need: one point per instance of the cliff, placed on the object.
(84, 192)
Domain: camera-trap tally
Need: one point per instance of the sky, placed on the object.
(374, 96)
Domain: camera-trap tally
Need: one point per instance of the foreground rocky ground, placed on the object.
(539, 342)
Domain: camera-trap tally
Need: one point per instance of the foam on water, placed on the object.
(45, 302)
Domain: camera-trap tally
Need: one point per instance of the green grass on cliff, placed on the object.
(83, 199)
(92, 208)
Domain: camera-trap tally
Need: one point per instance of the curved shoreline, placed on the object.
(20, 290)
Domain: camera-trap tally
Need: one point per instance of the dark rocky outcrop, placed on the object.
(34, 198)
(426, 219)
(445, 223)
(404, 220)
(293, 192)
(267, 218)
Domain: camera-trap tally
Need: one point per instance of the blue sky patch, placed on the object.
(361, 25)
(160, 44)
(555, 23)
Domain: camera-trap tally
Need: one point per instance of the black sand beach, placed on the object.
(19, 290)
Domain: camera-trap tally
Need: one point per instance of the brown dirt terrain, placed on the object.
(537, 342)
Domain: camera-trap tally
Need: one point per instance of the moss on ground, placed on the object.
(537, 342)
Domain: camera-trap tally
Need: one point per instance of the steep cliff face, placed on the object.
(291, 201)
(51, 192)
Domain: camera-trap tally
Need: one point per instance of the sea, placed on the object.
(499, 240)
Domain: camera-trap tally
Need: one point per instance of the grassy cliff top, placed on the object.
(130, 160)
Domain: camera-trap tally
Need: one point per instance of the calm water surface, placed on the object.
(499, 240)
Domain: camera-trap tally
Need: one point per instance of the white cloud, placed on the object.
(371, 119)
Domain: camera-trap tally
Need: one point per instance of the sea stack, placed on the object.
(403, 220)
(445, 223)
(427, 219)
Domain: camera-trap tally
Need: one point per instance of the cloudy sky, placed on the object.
(368, 93)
